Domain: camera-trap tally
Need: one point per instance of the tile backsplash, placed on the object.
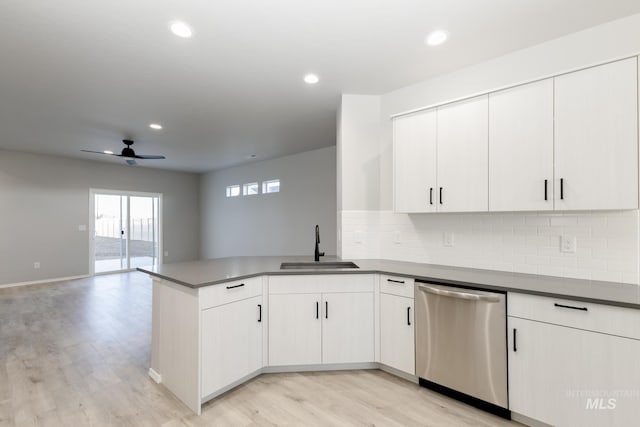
(607, 242)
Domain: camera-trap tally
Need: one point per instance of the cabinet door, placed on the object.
(397, 340)
(231, 343)
(347, 328)
(295, 329)
(521, 148)
(463, 159)
(596, 147)
(414, 162)
(567, 377)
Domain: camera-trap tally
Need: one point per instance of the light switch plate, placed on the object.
(166, 253)
(447, 238)
(36, 265)
(82, 227)
(357, 237)
(568, 244)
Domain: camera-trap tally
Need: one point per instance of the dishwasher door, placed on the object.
(461, 342)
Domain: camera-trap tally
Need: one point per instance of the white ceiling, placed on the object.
(78, 74)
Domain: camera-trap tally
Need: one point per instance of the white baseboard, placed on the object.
(319, 368)
(398, 373)
(39, 282)
(527, 421)
(155, 376)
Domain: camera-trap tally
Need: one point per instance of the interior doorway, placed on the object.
(125, 232)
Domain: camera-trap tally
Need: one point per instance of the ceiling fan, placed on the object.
(128, 153)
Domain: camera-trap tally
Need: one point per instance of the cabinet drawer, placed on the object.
(224, 293)
(608, 319)
(394, 285)
(320, 283)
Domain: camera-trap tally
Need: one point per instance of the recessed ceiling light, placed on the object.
(436, 38)
(108, 152)
(181, 29)
(155, 126)
(311, 79)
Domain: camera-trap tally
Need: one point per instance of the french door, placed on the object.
(125, 230)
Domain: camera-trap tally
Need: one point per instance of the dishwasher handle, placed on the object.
(459, 295)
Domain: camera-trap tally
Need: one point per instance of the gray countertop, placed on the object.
(196, 274)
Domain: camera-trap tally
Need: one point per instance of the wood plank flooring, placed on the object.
(77, 354)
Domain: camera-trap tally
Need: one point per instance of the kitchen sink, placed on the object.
(317, 265)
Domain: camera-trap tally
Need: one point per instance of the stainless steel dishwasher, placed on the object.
(461, 344)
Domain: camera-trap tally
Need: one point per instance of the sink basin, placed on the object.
(316, 265)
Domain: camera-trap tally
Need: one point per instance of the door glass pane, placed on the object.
(143, 226)
(110, 243)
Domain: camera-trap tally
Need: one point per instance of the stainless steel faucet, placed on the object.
(317, 253)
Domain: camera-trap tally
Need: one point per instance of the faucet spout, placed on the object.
(317, 254)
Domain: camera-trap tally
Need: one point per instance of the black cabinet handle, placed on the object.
(235, 286)
(440, 195)
(259, 312)
(430, 195)
(317, 310)
(571, 307)
(395, 281)
(545, 189)
(409, 316)
(561, 188)
(326, 309)
(515, 347)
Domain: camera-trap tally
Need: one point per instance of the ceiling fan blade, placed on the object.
(131, 162)
(100, 152)
(149, 156)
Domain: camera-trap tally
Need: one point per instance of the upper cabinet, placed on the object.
(462, 156)
(440, 159)
(521, 148)
(596, 138)
(564, 143)
(415, 162)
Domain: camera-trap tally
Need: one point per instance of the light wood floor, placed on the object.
(77, 353)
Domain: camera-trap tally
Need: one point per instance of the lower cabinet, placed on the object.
(566, 376)
(397, 337)
(231, 339)
(295, 329)
(321, 319)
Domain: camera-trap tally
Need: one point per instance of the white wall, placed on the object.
(526, 242)
(43, 200)
(272, 224)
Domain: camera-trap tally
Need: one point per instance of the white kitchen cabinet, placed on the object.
(231, 343)
(315, 319)
(415, 162)
(347, 327)
(568, 359)
(463, 162)
(521, 148)
(596, 138)
(295, 329)
(397, 339)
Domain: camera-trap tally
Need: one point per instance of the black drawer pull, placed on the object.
(317, 310)
(326, 309)
(395, 281)
(545, 189)
(409, 316)
(235, 286)
(571, 307)
(515, 347)
(431, 195)
(259, 312)
(440, 195)
(561, 188)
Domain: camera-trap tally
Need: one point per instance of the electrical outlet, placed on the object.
(166, 253)
(357, 237)
(397, 238)
(447, 239)
(568, 244)
(36, 265)
(82, 227)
